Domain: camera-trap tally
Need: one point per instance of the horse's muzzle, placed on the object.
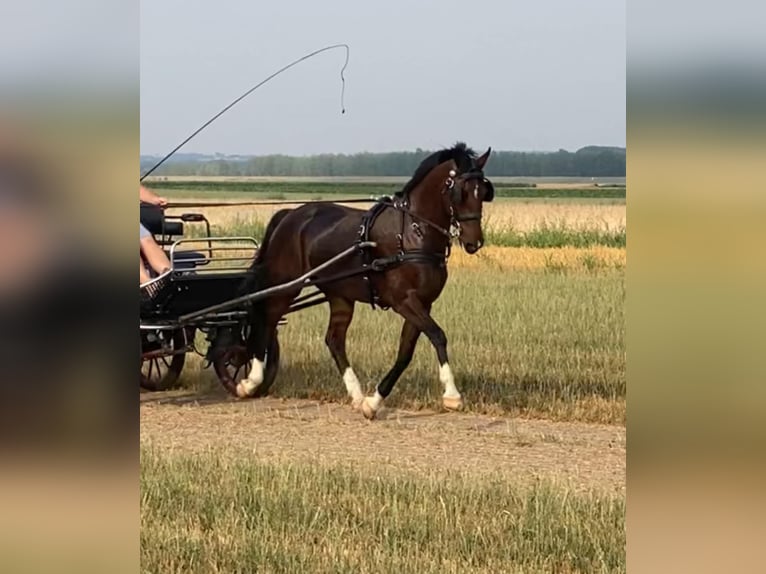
(471, 248)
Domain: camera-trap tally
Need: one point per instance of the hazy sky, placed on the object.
(531, 75)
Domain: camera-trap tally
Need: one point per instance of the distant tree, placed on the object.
(589, 161)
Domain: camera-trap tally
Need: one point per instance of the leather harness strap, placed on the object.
(416, 255)
(412, 256)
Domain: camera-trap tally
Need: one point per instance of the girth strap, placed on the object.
(368, 219)
(383, 263)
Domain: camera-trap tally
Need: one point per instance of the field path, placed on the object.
(583, 456)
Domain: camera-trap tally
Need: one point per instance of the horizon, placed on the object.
(415, 150)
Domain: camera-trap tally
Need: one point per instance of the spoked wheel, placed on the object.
(232, 364)
(160, 367)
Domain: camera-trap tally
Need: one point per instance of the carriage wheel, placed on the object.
(160, 372)
(233, 364)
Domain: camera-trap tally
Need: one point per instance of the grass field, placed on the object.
(211, 513)
(509, 223)
(535, 320)
(536, 329)
(541, 339)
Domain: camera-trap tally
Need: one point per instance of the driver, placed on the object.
(150, 251)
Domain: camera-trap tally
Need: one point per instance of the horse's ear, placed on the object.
(482, 160)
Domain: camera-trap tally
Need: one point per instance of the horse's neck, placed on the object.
(427, 199)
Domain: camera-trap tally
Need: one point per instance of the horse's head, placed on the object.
(466, 192)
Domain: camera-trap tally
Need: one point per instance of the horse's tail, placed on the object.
(258, 279)
(276, 219)
(257, 276)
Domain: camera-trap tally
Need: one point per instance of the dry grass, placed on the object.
(520, 216)
(207, 513)
(540, 343)
(531, 258)
(532, 331)
(526, 216)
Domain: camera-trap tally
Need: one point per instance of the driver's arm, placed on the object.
(148, 196)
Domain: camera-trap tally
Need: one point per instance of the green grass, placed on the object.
(261, 189)
(207, 513)
(554, 235)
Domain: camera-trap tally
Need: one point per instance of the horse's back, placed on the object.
(311, 234)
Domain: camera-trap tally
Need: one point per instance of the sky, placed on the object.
(532, 75)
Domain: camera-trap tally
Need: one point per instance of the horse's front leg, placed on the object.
(407, 342)
(420, 314)
(418, 319)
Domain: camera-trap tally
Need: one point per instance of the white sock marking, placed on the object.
(353, 387)
(448, 380)
(254, 379)
(374, 401)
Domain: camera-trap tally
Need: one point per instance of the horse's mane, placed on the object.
(463, 156)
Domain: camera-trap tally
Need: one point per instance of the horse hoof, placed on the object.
(356, 404)
(453, 403)
(243, 392)
(368, 412)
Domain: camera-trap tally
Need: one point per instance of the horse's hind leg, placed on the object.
(264, 340)
(272, 364)
(341, 314)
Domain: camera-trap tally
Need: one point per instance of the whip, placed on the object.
(251, 90)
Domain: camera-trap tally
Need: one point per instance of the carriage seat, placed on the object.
(153, 218)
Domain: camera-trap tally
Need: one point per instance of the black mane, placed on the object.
(464, 157)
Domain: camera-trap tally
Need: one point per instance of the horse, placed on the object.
(405, 271)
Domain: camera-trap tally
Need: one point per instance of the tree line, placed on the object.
(591, 161)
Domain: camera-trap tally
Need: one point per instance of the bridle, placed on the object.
(455, 194)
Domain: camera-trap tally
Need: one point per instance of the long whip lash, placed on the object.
(251, 90)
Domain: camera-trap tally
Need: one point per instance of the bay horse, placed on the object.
(405, 271)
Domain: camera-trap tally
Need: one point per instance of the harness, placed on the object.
(401, 204)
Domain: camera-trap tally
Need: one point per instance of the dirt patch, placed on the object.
(583, 456)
